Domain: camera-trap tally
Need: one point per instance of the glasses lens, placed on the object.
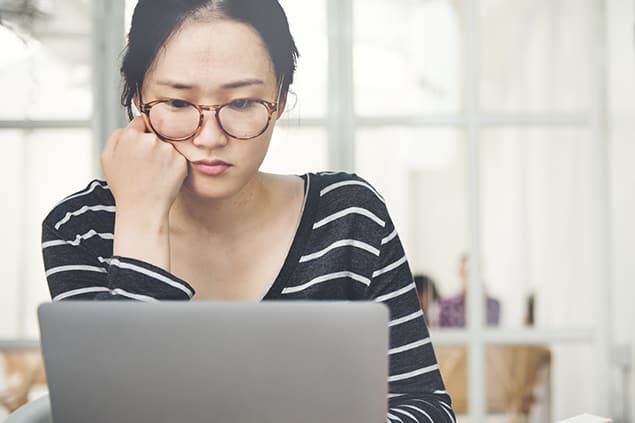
(244, 118)
(174, 119)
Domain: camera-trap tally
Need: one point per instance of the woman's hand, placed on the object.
(144, 174)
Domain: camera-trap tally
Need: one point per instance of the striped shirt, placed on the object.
(345, 248)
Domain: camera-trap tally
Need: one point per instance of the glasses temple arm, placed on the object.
(280, 92)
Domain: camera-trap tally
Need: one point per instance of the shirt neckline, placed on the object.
(299, 240)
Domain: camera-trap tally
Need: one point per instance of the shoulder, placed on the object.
(338, 190)
(343, 206)
(343, 182)
(92, 207)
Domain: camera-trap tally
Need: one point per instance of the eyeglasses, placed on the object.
(172, 119)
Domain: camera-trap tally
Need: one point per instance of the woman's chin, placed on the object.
(211, 188)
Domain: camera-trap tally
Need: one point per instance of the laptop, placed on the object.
(269, 362)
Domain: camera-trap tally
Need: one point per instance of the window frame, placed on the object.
(341, 124)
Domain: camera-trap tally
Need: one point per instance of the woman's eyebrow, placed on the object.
(226, 86)
(175, 85)
(242, 83)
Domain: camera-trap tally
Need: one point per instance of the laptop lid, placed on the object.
(310, 362)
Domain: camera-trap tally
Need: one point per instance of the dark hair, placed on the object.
(154, 21)
(426, 283)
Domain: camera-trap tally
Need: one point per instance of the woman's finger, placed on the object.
(138, 124)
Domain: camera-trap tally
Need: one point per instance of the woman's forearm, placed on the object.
(143, 236)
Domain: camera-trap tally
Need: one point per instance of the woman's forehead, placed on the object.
(213, 53)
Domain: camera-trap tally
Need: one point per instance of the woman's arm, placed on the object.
(416, 390)
(94, 250)
(144, 175)
(79, 265)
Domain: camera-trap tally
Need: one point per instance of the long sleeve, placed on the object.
(416, 390)
(77, 238)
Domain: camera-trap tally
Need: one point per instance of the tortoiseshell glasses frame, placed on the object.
(271, 108)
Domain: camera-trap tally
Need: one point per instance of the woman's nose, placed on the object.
(211, 134)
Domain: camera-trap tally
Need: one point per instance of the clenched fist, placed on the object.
(143, 173)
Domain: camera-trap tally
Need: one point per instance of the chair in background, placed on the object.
(513, 373)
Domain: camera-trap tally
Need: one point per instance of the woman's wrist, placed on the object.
(143, 237)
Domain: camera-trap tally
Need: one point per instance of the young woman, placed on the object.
(185, 213)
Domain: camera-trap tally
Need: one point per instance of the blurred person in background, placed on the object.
(452, 310)
(428, 297)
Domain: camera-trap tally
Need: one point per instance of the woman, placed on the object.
(196, 219)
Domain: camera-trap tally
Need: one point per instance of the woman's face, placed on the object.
(215, 62)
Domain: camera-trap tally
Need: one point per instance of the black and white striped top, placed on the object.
(345, 248)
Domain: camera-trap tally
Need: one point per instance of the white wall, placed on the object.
(621, 113)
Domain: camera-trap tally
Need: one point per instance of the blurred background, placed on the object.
(499, 131)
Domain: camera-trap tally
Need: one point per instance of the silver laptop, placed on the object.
(243, 362)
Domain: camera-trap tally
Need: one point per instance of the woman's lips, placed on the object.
(213, 168)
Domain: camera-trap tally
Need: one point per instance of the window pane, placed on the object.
(535, 56)
(308, 27)
(518, 382)
(421, 173)
(536, 233)
(296, 150)
(535, 383)
(453, 365)
(406, 57)
(10, 168)
(541, 383)
(45, 68)
(38, 168)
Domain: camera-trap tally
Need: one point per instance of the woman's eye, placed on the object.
(177, 104)
(241, 104)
